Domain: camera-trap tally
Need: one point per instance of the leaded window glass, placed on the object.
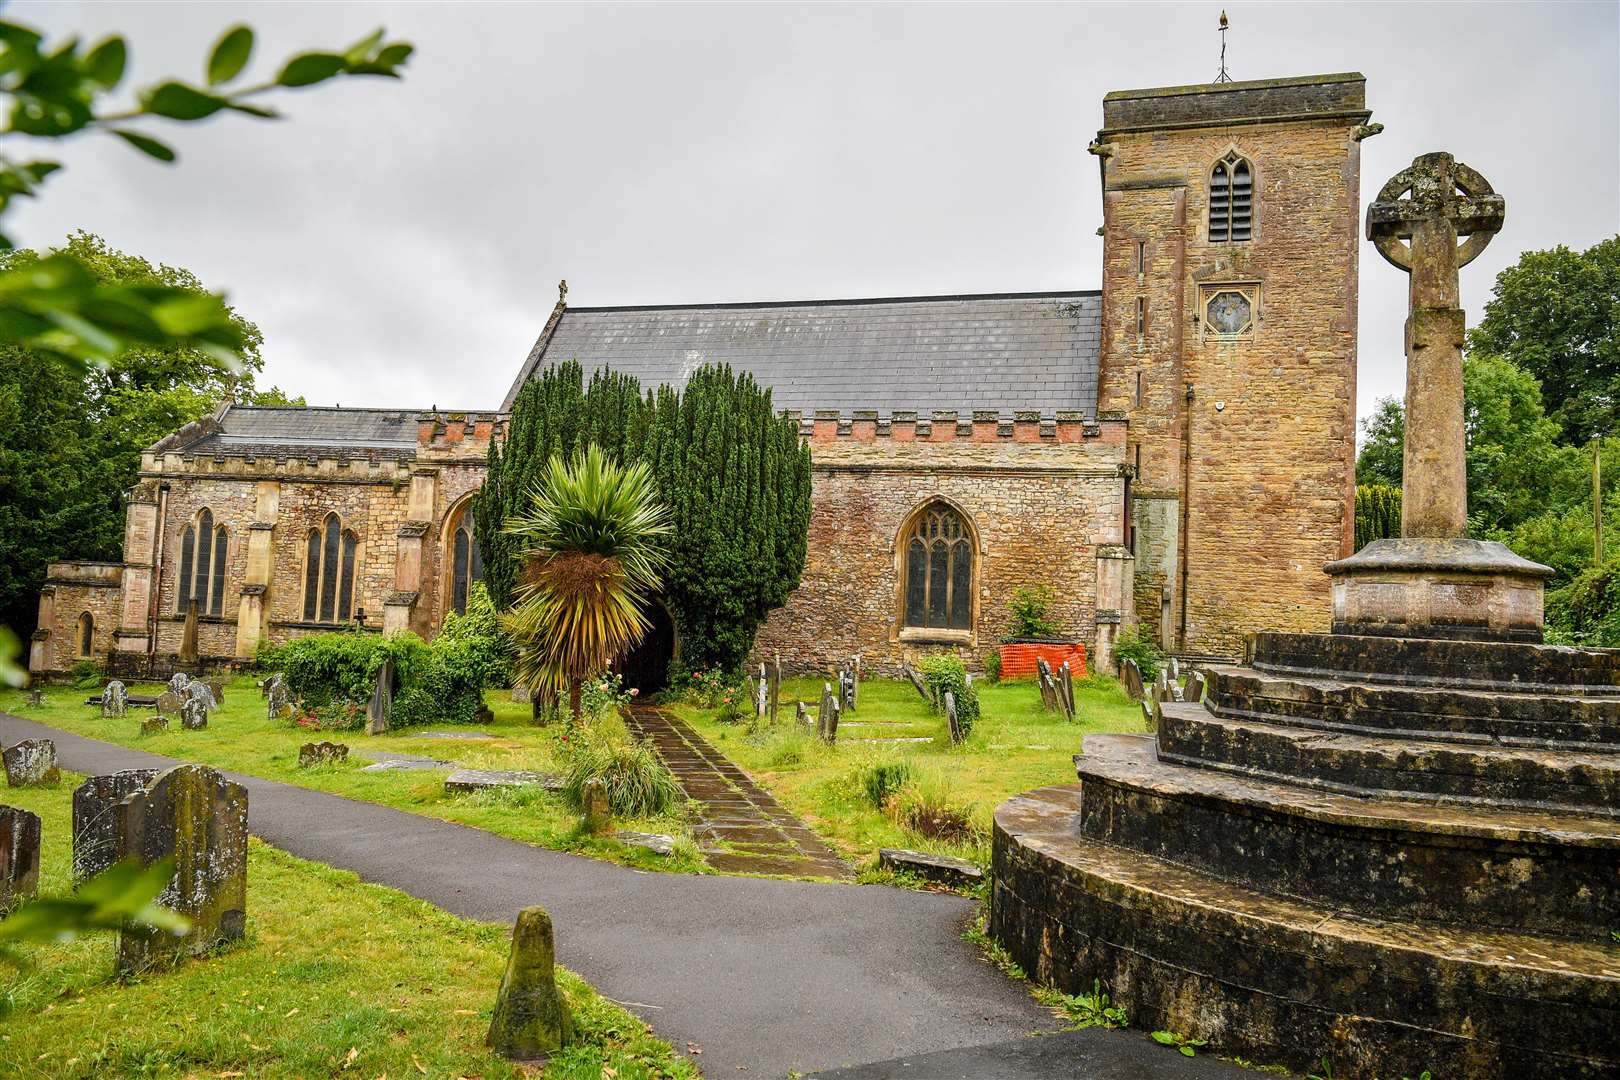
(329, 566)
(204, 556)
(939, 571)
(1231, 199)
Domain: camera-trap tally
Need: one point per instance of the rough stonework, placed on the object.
(19, 856)
(168, 703)
(532, 1018)
(321, 753)
(114, 699)
(95, 818)
(194, 714)
(31, 763)
(154, 725)
(194, 815)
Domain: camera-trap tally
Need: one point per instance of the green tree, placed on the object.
(591, 562)
(1379, 461)
(75, 435)
(1556, 314)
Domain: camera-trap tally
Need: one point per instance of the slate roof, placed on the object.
(311, 431)
(1001, 352)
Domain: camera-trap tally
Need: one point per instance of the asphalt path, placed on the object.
(751, 976)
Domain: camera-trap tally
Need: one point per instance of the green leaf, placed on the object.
(395, 54)
(1164, 1038)
(145, 144)
(39, 170)
(360, 51)
(104, 63)
(230, 54)
(177, 101)
(309, 68)
(260, 111)
(1189, 1051)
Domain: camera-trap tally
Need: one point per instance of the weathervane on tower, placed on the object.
(1223, 76)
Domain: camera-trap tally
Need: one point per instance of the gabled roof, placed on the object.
(1000, 352)
(313, 431)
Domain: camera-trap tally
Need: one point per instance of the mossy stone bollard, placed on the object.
(598, 811)
(531, 1017)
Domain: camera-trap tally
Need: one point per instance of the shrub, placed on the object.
(928, 807)
(992, 667)
(1586, 612)
(479, 639)
(1032, 612)
(1135, 644)
(85, 675)
(1378, 513)
(942, 673)
(709, 688)
(442, 683)
(883, 781)
(638, 783)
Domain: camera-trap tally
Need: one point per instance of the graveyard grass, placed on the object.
(240, 737)
(1015, 746)
(335, 977)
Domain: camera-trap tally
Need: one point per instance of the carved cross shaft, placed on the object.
(1447, 200)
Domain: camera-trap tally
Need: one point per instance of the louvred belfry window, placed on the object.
(329, 557)
(1231, 200)
(204, 554)
(939, 571)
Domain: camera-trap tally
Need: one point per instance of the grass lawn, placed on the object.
(335, 977)
(241, 737)
(1015, 746)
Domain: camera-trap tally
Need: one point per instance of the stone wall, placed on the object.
(1257, 433)
(1040, 504)
(71, 590)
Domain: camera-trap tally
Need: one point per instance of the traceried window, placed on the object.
(329, 554)
(87, 634)
(204, 551)
(1231, 199)
(466, 566)
(939, 571)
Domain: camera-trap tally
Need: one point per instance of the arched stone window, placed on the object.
(204, 548)
(937, 571)
(329, 555)
(1231, 199)
(87, 634)
(464, 563)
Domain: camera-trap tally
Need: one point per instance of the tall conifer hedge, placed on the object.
(734, 474)
(1378, 513)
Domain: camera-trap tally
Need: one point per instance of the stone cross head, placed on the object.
(1446, 197)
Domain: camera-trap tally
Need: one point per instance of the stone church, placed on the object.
(1175, 450)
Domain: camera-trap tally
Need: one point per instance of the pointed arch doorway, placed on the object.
(645, 668)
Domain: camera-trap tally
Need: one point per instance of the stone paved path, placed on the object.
(742, 828)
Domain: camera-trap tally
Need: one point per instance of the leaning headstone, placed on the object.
(152, 725)
(950, 717)
(36, 699)
(31, 763)
(531, 1018)
(382, 700)
(195, 816)
(200, 691)
(95, 818)
(1175, 669)
(114, 699)
(1161, 686)
(19, 856)
(801, 714)
(917, 681)
(278, 704)
(598, 811)
(194, 713)
(1131, 675)
(1194, 691)
(829, 721)
(1068, 687)
(321, 753)
(168, 703)
(1150, 715)
(217, 688)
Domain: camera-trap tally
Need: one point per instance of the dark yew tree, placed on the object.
(734, 474)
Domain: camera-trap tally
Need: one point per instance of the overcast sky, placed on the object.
(399, 243)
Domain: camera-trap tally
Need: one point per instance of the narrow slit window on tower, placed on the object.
(1231, 199)
(1141, 256)
(1141, 317)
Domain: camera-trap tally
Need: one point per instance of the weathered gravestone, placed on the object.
(598, 811)
(1131, 676)
(152, 725)
(179, 681)
(1150, 716)
(19, 856)
(531, 1018)
(382, 700)
(31, 763)
(195, 816)
(1194, 690)
(1174, 667)
(217, 688)
(95, 818)
(36, 699)
(321, 753)
(194, 713)
(278, 699)
(827, 718)
(950, 717)
(1067, 685)
(202, 692)
(776, 686)
(168, 703)
(188, 636)
(801, 715)
(919, 683)
(114, 699)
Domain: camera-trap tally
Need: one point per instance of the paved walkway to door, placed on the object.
(742, 829)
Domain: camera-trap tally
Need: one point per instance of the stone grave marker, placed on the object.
(31, 763)
(321, 753)
(944, 869)
(382, 700)
(763, 692)
(152, 725)
(199, 691)
(278, 704)
(217, 688)
(188, 635)
(19, 856)
(522, 695)
(531, 1018)
(95, 818)
(1175, 669)
(194, 815)
(598, 811)
(657, 843)
(36, 699)
(468, 781)
(1195, 688)
(114, 699)
(179, 681)
(1161, 686)
(168, 703)
(776, 686)
(919, 683)
(950, 717)
(1067, 673)
(194, 713)
(1131, 676)
(801, 714)
(829, 722)
(1150, 715)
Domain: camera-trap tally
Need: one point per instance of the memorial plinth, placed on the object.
(1394, 848)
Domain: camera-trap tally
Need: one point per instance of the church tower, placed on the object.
(1230, 239)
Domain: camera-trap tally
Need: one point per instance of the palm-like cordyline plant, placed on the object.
(591, 562)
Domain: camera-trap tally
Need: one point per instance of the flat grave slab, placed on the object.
(944, 869)
(393, 761)
(471, 736)
(466, 781)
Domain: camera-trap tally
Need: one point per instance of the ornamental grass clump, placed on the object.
(591, 564)
(638, 783)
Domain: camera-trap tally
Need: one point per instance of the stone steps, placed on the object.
(1388, 858)
(1567, 721)
(1527, 777)
(1259, 974)
(1502, 667)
